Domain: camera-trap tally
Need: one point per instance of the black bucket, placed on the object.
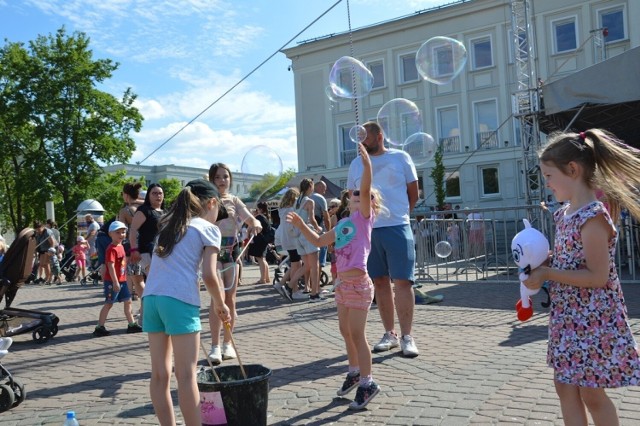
(234, 400)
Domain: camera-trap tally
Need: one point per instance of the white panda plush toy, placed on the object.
(530, 249)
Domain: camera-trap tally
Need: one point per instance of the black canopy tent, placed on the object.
(605, 95)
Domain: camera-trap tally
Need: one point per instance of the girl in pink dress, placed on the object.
(591, 347)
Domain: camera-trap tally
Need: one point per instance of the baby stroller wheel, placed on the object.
(41, 334)
(19, 392)
(7, 398)
(324, 278)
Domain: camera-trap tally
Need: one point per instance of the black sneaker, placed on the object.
(101, 331)
(134, 328)
(364, 394)
(349, 384)
(314, 298)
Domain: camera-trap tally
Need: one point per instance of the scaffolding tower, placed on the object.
(526, 99)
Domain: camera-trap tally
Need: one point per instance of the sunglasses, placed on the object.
(356, 193)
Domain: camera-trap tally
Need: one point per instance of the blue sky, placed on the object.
(179, 56)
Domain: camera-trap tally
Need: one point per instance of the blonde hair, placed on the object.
(289, 198)
(608, 164)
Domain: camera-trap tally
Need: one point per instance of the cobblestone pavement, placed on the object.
(478, 365)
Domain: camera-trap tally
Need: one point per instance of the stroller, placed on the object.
(12, 392)
(15, 269)
(283, 266)
(68, 266)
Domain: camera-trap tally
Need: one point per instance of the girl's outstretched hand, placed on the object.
(364, 154)
(294, 219)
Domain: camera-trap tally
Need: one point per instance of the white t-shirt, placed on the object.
(392, 171)
(177, 274)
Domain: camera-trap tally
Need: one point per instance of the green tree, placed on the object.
(171, 188)
(58, 126)
(269, 185)
(437, 174)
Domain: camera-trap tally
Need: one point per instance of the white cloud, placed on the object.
(150, 109)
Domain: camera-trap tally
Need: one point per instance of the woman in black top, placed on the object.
(258, 246)
(144, 228)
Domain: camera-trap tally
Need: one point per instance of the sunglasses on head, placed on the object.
(356, 193)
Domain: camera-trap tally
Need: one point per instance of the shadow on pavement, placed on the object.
(336, 402)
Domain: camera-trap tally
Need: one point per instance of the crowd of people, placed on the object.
(165, 254)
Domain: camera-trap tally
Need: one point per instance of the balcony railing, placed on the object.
(487, 140)
(450, 144)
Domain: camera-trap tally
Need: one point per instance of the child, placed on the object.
(354, 292)
(590, 344)
(80, 256)
(115, 281)
(171, 299)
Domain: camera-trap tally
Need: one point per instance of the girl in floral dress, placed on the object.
(591, 347)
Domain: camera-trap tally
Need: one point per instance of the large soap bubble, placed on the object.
(263, 161)
(399, 118)
(350, 79)
(443, 249)
(421, 147)
(440, 59)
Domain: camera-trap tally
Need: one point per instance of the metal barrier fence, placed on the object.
(480, 241)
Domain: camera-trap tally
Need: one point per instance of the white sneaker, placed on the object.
(408, 346)
(214, 355)
(389, 340)
(299, 296)
(228, 352)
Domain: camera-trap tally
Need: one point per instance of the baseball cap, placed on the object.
(203, 188)
(80, 238)
(115, 225)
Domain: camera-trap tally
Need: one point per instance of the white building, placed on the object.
(241, 181)
(472, 116)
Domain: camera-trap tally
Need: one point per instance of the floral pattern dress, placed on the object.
(590, 342)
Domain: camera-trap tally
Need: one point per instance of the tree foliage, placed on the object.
(269, 185)
(437, 174)
(57, 127)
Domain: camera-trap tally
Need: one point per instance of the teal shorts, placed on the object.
(164, 314)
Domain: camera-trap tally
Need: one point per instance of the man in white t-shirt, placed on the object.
(392, 254)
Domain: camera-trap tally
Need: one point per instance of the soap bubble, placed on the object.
(263, 161)
(357, 134)
(421, 147)
(350, 79)
(443, 249)
(399, 118)
(440, 59)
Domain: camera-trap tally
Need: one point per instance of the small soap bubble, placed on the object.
(443, 249)
(357, 134)
(350, 78)
(399, 118)
(440, 59)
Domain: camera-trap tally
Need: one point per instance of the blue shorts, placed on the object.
(393, 253)
(168, 315)
(111, 297)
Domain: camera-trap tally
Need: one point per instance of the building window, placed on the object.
(377, 69)
(486, 121)
(347, 147)
(408, 69)
(613, 20)
(481, 56)
(452, 184)
(448, 129)
(564, 35)
(490, 181)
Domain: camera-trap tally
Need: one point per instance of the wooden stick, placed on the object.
(209, 361)
(233, 343)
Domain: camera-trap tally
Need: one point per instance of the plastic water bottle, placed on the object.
(71, 419)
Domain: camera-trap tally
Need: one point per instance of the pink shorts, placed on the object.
(355, 292)
(81, 263)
